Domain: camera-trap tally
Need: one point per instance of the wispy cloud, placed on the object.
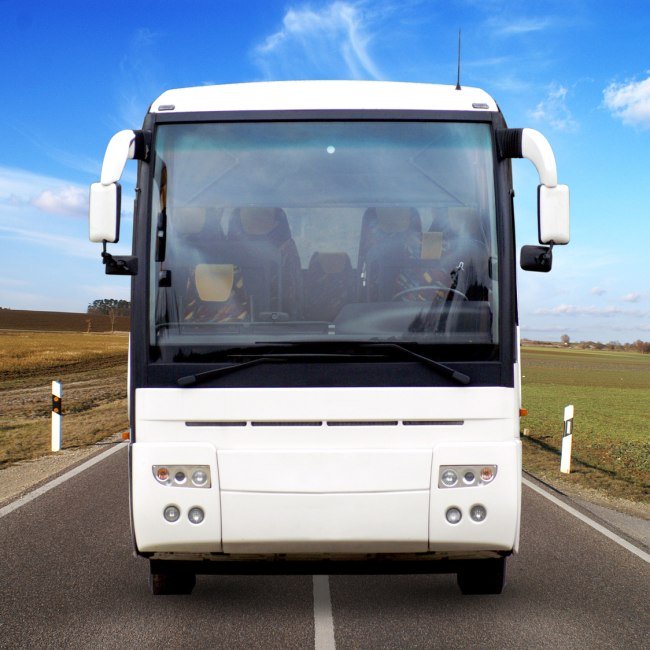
(598, 291)
(576, 310)
(329, 42)
(629, 102)
(140, 79)
(524, 26)
(553, 109)
(72, 246)
(631, 297)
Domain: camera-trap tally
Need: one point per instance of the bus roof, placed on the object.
(323, 95)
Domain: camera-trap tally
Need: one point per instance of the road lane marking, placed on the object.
(323, 621)
(30, 496)
(595, 525)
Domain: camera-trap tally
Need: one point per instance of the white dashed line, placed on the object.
(323, 621)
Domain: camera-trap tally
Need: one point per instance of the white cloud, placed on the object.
(21, 190)
(69, 200)
(629, 102)
(329, 42)
(632, 297)
(598, 291)
(553, 109)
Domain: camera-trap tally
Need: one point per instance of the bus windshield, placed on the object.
(316, 231)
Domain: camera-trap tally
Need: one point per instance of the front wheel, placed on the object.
(482, 577)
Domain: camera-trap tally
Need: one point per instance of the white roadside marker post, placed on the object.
(567, 439)
(57, 413)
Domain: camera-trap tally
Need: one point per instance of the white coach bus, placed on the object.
(324, 360)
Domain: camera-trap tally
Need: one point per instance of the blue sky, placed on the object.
(74, 73)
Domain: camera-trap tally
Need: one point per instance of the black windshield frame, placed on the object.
(487, 364)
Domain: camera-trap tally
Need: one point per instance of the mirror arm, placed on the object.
(124, 145)
(532, 145)
(119, 264)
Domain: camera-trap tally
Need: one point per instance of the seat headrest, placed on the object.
(214, 281)
(330, 263)
(392, 220)
(187, 220)
(259, 224)
(258, 221)
(431, 246)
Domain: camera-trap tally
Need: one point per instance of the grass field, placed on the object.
(611, 439)
(610, 392)
(92, 369)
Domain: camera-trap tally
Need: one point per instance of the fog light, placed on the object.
(478, 513)
(199, 477)
(449, 477)
(196, 515)
(171, 513)
(179, 477)
(453, 515)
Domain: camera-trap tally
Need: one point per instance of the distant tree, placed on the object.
(642, 347)
(107, 305)
(111, 307)
(565, 339)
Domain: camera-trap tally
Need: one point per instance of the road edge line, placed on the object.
(590, 522)
(323, 620)
(34, 494)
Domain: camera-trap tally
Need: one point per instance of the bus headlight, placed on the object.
(449, 477)
(186, 476)
(472, 475)
(200, 477)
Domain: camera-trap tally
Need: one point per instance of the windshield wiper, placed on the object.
(444, 370)
(193, 380)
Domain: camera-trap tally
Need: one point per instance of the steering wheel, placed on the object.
(429, 287)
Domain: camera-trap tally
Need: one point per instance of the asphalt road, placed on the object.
(68, 579)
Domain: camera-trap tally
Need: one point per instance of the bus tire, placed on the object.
(171, 584)
(482, 577)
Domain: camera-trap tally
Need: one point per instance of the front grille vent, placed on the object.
(328, 423)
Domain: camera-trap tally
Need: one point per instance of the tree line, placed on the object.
(636, 346)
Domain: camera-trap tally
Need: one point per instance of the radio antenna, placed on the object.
(458, 77)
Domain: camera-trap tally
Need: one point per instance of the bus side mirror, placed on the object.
(105, 196)
(552, 199)
(104, 212)
(553, 214)
(536, 258)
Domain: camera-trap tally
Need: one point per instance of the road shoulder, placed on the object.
(22, 478)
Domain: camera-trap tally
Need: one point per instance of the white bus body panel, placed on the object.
(326, 469)
(323, 95)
